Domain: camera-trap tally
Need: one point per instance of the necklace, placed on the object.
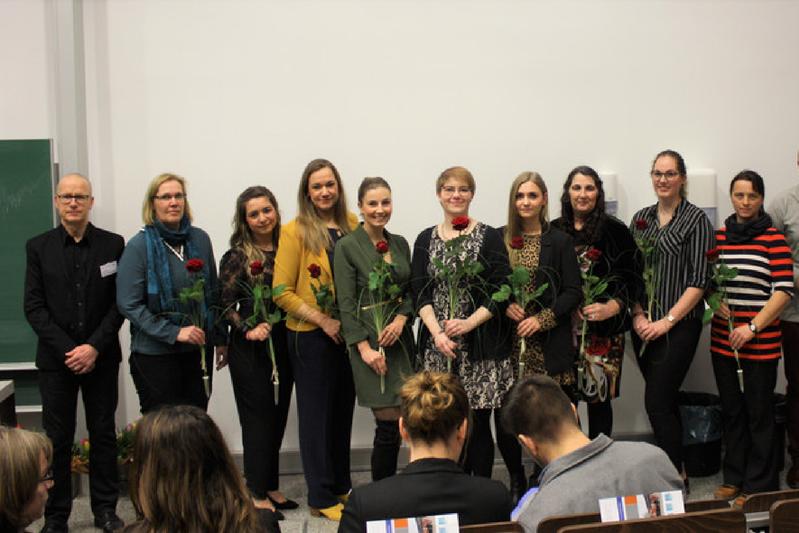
(178, 253)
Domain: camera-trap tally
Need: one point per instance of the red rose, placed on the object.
(381, 247)
(315, 270)
(598, 347)
(593, 255)
(713, 254)
(256, 268)
(517, 243)
(641, 224)
(460, 223)
(194, 265)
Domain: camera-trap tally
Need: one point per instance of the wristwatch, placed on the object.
(753, 327)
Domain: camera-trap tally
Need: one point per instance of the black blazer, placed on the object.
(50, 301)
(619, 263)
(427, 487)
(491, 340)
(557, 265)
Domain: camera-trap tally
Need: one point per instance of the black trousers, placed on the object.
(59, 391)
(750, 457)
(325, 403)
(263, 421)
(664, 365)
(790, 350)
(170, 379)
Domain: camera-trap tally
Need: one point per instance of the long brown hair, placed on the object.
(514, 227)
(312, 228)
(184, 478)
(242, 234)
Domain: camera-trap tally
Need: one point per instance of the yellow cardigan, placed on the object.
(291, 269)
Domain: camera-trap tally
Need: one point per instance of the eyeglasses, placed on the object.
(179, 197)
(48, 476)
(669, 175)
(67, 198)
(451, 190)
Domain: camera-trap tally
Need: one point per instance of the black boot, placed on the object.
(518, 486)
(385, 449)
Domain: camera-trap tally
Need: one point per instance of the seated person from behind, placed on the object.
(25, 477)
(577, 471)
(434, 413)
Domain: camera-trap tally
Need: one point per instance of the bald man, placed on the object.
(70, 302)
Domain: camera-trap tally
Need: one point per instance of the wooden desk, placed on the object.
(8, 412)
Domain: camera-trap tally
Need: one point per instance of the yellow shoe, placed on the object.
(331, 513)
(343, 498)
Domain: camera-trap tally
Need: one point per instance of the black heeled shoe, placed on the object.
(285, 506)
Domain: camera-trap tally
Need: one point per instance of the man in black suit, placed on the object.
(70, 302)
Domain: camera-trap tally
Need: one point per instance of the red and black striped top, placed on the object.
(764, 265)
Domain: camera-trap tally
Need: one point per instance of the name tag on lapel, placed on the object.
(108, 269)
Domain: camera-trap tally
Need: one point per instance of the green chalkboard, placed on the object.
(26, 209)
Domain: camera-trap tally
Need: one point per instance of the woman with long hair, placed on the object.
(745, 338)
(380, 359)
(542, 341)
(160, 261)
(183, 477)
(462, 325)
(253, 246)
(319, 359)
(434, 422)
(583, 217)
(25, 477)
(665, 339)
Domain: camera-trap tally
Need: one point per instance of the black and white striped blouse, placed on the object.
(681, 260)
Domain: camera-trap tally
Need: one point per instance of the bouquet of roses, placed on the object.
(383, 295)
(194, 295)
(721, 275)
(323, 292)
(263, 310)
(648, 248)
(518, 281)
(456, 269)
(594, 288)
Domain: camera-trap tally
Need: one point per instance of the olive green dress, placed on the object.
(355, 257)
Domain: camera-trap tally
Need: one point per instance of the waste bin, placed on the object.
(701, 432)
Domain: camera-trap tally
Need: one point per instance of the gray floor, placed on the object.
(299, 520)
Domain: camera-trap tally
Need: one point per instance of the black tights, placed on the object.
(480, 451)
(600, 419)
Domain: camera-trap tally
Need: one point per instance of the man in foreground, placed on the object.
(577, 471)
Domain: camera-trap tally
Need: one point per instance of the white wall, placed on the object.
(231, 94)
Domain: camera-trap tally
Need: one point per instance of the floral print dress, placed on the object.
(486, 381)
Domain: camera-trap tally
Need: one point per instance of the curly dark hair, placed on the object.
(594, 222)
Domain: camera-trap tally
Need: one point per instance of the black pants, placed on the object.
(790, 349)
(664, 364)
(325, 403)
(59, 390)
(170, 379)
(479, 458)
(750, 458)
(263, 422)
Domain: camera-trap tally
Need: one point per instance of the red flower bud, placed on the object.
(713, 254)
(598, 347)
(593, 255)
(256, 268)
(315, 270)
(641, 224)
(517, 243)
(194, 265)
(381, 247)
(460, 223)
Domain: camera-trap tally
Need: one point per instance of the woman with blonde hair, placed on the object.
(251, 259)
(462, 325)
(184, 478)
(25, 477)
(162, 259)
(434, 421)
(543, 337)
(319, 359)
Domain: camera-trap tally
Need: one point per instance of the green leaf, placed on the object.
(275, 317)
(707, 316)
(502, 294)
(277, 290)
(394, 290)
(519, 277)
